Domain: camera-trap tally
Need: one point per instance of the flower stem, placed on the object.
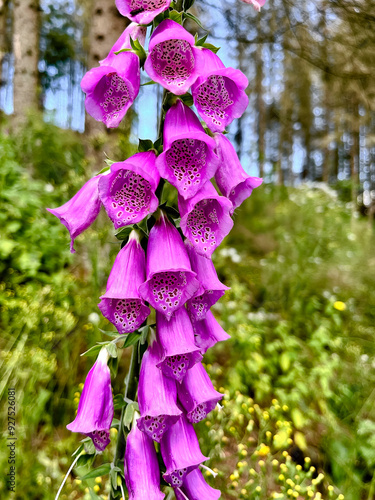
(67, 474)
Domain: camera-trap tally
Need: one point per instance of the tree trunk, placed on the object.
(106, 25)
(3, 36)
(26, 16)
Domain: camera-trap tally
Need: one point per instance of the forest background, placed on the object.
(298, 375)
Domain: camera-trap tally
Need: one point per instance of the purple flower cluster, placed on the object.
(175, 275)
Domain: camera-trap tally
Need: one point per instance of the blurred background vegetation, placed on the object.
(298, 374)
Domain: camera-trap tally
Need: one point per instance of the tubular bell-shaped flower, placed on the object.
(188, 160)
(173, 60)
(205, 219)
(197, 394)
(196, 488)
(178, 351)
(121, 304)
(95, 408)
(208, 332)
(231, 178)
(157, 396)
(142, 11)
(180, 451)
(128, 192)
(112, 87)
(219, 93)
(79, 213)
(211, 288)
(170, 280)
(142, 473)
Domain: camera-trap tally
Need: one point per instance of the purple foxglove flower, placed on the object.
(180, 451)
(211, 288)
(142, 473)
(205, 219)
(128, 192)
(196, 488)
(112, 87)
(178, 351)
(142, 11)
(208, 332)
(197, 394)
(231, 178)
(219, 93)
(173, 60)
(157, 397)
(80, 212)
(188, 160)
(121, 303)
(170, 280)
(95, 408)
(133, 31)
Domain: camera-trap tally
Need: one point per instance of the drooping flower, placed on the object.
(170, 280)
(257, 4)
(121, 304)
(128, 192)
(142, 473)
(196, 488)
(205, 219)
(188, 160)
(157, 396)
(178, 352)
(79, 213)
(142, 11)
(197, 394)
(112, 87)
(180, 451)
(208, 332)
(211, 288)
(95, 408)
(231, 178)
(219, 93)
(173, 60)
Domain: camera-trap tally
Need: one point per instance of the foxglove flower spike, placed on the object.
(142, 11)
(121, 304)
(208, 332)
(196, 488)
(80, 212)
(95, 408)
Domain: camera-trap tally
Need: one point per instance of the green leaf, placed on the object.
(123, 232)
(200, 42)
(94, 496)
(90, 447)
(144, 334)
(151, 82)
(158, 145)
(128, 416)
(172, 212)
(102, 470)
(105, 169)
(118, 402)
(145, 145)
(188, 4)
(123, 50)
(78, 450)
(131, 339)
(113, 366)
(175, 16)
(93, 351)
(112, 350)
(187, 99)
(211, 47)
(187, 15)
(113, 475)
(85, 460)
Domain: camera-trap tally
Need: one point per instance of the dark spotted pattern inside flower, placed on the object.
(176, 366)
(126, 314)
(139, 6)
(214, 96)
(200, 305)
(202, 225)
(154, 427)
(167, 290)
(130, 198)
(177, 477)
(113, 95)
(187, 158)
(174, 61)
(100, 439)
(198, 414)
